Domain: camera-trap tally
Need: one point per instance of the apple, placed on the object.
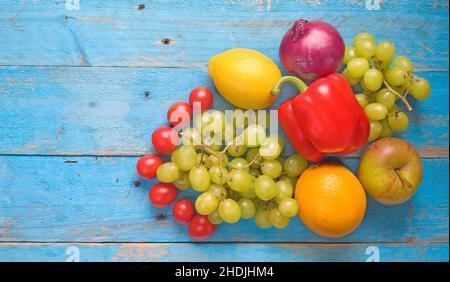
(390, 170)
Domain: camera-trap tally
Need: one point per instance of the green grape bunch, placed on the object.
(385, 80)
(237, 181)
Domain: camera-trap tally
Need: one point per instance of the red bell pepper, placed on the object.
(325, 118)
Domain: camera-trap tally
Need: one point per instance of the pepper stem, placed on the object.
(301, 86)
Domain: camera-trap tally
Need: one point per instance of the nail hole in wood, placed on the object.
(161, 217)
(146, 94)
(137, 184)
(166, 41)
(141, 6)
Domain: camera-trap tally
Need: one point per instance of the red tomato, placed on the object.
(165, 139)
(179, 114)
(183, 211)
(203, 96)
(162, 194)
(200, 227)
(147, 165)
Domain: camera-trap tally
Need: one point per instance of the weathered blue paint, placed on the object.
(104, 111)
(118, 34)
(268, 252)
(72, 84)
(93, 199)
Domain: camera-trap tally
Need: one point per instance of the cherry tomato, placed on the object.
(200, 227)
(165, 139)
(147, 165)
(179, 114)
(203, 96)
(183, 211)
(162, 194)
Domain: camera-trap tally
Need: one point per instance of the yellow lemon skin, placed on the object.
(244, 77)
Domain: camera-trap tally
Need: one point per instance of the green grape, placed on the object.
(255, 172)
(386, 64)
(262, 219)
(395, 76)
(199, 178)
(211, 121)
(362, 99)
(270, 149)
(364, 86)
(219, 191)
(376, 128)
(239, 163)
(251, 155)
(292, 180)
(174, 154)
(387, 131)
(284, 189)
(215, 148)
(247, 208)
(420, 88)
(288, 207)
(398, 121)
(295, 165)
(254, 135)
(218, 159)
(365, 48)
(182, 182)
(404, 63)
(229, 211)
(386, 97)
(407, 84)
(277, 219)
(202, 159)
(236, 150)
(249, 193)
(185, 157)
(168, 172)
(215, 218)
(357, 67)
(363, 35)
(191, 136)
(394, 108)
(218, 174)
(373, 79)
(265, 188)
(385, 51)
(349, 54)
(239, 180)
(206, 203)
(353, 81)
(375, 111)
(272, 168)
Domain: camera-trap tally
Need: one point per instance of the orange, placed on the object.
(331, 200)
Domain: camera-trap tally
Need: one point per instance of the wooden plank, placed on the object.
(132, 252)
(116, 33)
(90, 199)
(105, 111)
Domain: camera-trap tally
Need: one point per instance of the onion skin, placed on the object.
(311, 50)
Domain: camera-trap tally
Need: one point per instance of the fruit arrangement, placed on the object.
(384, 79)
(236, 164)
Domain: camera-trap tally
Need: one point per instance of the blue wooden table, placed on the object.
(83, 86)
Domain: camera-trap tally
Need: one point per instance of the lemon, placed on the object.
(244, 77)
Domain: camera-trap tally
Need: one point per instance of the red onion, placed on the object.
(311, 50)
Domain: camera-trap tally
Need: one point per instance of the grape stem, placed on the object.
(402, 97)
